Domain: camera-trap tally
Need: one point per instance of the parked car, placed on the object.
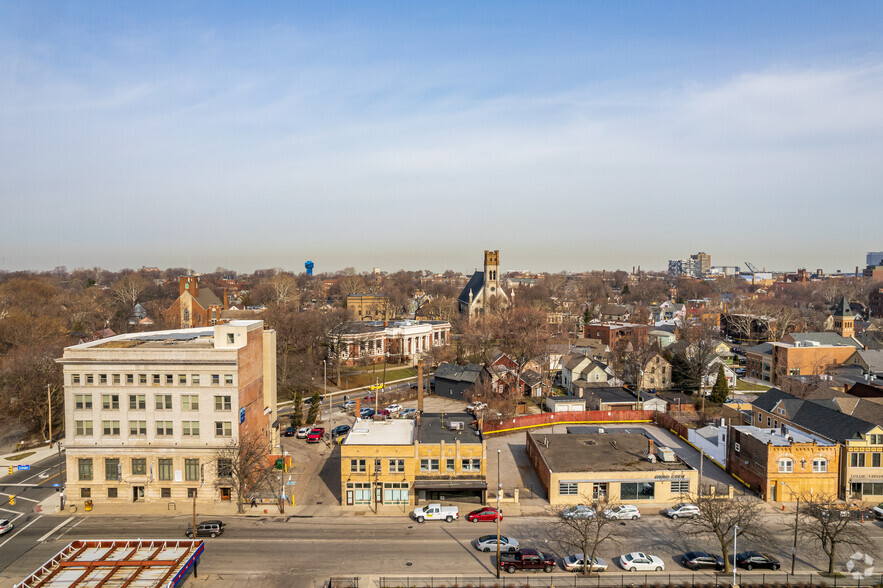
(740, 372)
(476, 406)
(348, 405)
(575, 563)
(383, 412)
(5, 526)
(639, 562)
(340, 431)
(578, 511)
(366, 413)
(368, 398)
(303, 432)
(206, 529)
(316, 435)
(394, 408)
(436, 512)
(487, 513)
(488, 543)
(753, 559)
(289, 432)
(699, 559)
(408, 413)
(623, 511)
(683, 510)
(527, 559)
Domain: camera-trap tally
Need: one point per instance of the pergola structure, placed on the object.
(119, 563)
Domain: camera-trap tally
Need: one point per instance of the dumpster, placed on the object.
(88, 505)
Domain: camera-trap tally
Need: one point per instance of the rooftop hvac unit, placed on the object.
(667, 455)
(456, 426)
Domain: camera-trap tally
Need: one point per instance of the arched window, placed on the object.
(786, 465)
(819, 465)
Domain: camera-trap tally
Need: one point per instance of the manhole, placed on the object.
(319, 502)
(407, 563)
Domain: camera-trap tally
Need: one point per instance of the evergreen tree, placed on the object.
(625, 290)
(297, 417)
(315, 404)
(720, 391)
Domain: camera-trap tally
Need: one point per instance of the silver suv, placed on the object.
(683, 510)
(206, 529)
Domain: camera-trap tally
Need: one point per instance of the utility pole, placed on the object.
(49, 398)
(195, 491)
(796, 520)
(499, 490)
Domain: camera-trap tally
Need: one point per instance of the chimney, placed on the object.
(226, 305)
(419, 386)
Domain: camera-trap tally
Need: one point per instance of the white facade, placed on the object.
(405, 339)
(712, 440)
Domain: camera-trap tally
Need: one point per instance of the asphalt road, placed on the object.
(305, 551)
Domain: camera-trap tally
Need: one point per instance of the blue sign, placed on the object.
(56, 485)
(24, 467)
(241, 415)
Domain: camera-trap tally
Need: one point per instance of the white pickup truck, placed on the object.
(436, 512)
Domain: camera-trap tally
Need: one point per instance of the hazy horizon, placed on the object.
(568, 135)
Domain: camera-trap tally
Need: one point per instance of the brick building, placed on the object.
(612, 334)
(195, 306)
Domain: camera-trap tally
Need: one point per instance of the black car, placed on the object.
(339, 431)
(699, 559)
(289, 432)
(753, 559)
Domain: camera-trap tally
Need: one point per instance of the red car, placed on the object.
(368, 398)
(383, 412)
(316, 435)
(487, 513)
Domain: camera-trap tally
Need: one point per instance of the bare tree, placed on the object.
(128, 288)
(829, 525)
(283, 287)
(28, 374)
(585, 534)
(720, 516)
(244, 464)
(524, 333)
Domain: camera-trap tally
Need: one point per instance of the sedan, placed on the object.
(575, 563)
(623, 511)
(349, 404)
(699, 559)
(683, 511)
(340, 431)
(488, 543)
(5, 526)
(579, 511)
(394, 408)
(488, 513)
(408, 413)
(303, 432)
(366, 413)
(289, 432)
(639, 562)
(753, 559)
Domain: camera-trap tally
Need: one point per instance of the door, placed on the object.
(137, 493)
(772, 493)
(349, 497)
(225, 494)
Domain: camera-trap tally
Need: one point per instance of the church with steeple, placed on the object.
(483, 287)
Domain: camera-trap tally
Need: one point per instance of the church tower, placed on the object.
(844, 319)
(491, 275)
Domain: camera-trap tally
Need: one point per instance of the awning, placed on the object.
(450, 485)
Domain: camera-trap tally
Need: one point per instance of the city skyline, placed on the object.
(570, 136)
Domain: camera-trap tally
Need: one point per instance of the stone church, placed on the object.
(482, 287)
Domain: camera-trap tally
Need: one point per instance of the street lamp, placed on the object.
(499, 490)
(796, 515)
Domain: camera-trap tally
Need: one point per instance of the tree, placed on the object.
(721, 390)
(315, 405)
(244, 464)
(27, 374)
(524, 334)
(297, 415)
(128, 288)
(829, 525)
(585, 535)
(719, 518)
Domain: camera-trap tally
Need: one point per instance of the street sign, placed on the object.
(24, 467)
(291, 482)
(56, 485)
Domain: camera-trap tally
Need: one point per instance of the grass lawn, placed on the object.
(747, 387)
(20, 456)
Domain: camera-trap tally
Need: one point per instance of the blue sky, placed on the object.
(569, 135)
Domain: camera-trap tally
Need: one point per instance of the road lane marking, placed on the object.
(60, 525)
(20, 497)
(20, 530)
(37, 474)
(12, 511)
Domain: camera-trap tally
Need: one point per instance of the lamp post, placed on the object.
(325, 392)
(735, 536)
(796, 520)
(499, 490)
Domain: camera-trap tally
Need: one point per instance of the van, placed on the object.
(206, 529)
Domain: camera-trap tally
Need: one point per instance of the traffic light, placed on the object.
(10, 470)
(12, 500)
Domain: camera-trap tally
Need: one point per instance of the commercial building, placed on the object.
(148, 415)
(614, 466)
(375, 341)
(782, 463)
(408, 462)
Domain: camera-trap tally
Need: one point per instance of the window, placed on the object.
(85, 467)
(599, 491)
(357, 466)
(568, 488)
(470, 465)
(449, 465)
(875, 460)
(875, 489)
(164, 428)
(781, 411)
(223, 429)
(225, 468)
(222, 403)
(116, 378)
(875, 439)
(182, 379)
(396, 466)
(216, 378)
(83, 400)
(230, 338)
(165, 469)
(84, 427)
(191, 470)
(786, 465)
(163, 401)
(170, 379)
(191, 492)
(111, 427)
(75, 378)
(111, 469)
(130, 378)
(90, 379)
(857, 460)
(139, 466)
(165, 492)
(358, 493)
(680, 486)
(137, 428)
(102, 378)
(194, 379)
(395, 493)
(637, 491)
(768, 423)
(142, 378)
(111, 492)
(428, 465)
(156, 379)
(820, 465)
(110, 401)
(190, 402)
(137, 401)
(190, 428)
(228, 379)
(85, 492)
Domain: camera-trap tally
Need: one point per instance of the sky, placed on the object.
(415, 135)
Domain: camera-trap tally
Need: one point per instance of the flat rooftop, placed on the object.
(194, 338)
(436, 427)
(600, 452)
(387, 432)
(778, 438)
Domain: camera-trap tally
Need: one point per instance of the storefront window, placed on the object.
(637, 491)
(358, 493)
(395, 493)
